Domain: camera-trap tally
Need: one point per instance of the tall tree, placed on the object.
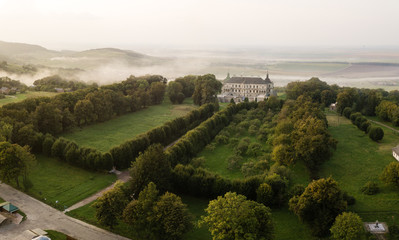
(234, 217)
(109, 207)
(154, 217)
(15, 161)
(319, 205)
(206, 88)
(157, 92)
(150, 166)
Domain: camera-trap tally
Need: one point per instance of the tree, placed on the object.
(188, 84)
(5, 131)
(376, 133)
(347, 226)
(175, 92)
(110, 205)
(390, 174)
(139, 212)
(15, 161)
(232, 216)
(48, 118)
(206, 88)
(84, 112)
(173, 216)
(150, 166)
(264, 194)
(319, 205)
(157, 92)
(154, 217)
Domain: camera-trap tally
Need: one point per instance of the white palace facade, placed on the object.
(253, 88)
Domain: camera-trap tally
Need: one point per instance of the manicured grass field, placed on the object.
(104, 136)
(358, 160)
(21, 96)
(55, 180)
(54, 235)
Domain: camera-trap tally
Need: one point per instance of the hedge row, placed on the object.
(195, 140)
(70, 152)
(127, 152)
(202, 183)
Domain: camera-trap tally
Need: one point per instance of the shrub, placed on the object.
(198, 162)
(221, 139)
(376, 133)
(365, 126)
(347, 112)
(234, 162)
(370, 188)
(254, 149)
(353, 116)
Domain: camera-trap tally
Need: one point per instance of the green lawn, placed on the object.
(54, 235)
(55, 180)
(104, 136)
(357, 160)
(21, 96)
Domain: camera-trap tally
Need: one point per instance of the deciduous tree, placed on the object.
(319, 205)
(347, 226)
(234, 217)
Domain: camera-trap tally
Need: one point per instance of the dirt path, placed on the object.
(122, 176)
(40, 215)
(384, 125)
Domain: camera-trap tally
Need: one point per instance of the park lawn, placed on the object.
(287, 226)
(358, 160)
(22, 96)
(55, 180)
(55, 235)
(196, 207)
(103, 136)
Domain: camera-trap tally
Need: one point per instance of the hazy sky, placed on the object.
(79, 24)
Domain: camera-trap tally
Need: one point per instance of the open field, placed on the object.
(312, 67)
(55, 180)
(358, 160)
(104, 136)
(21, 96)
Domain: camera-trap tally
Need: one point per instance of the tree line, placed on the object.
(124, 154)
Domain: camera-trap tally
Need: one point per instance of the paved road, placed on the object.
(43, 216)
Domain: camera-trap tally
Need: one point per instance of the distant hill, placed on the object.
(22, 53)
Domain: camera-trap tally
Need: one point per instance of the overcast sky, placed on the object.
(81, 24)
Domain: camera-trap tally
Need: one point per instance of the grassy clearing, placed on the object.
(55, 180)
(104, 136)
(358, 160)
(22, 96)
(217, 160)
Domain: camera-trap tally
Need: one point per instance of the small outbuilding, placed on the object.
(8, 207)
(395, 152)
